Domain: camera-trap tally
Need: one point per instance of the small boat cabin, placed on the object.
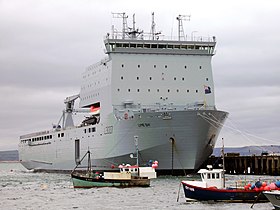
(212, 177)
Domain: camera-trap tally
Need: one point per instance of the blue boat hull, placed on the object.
(214, 194)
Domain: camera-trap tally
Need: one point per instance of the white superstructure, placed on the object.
(159, 90)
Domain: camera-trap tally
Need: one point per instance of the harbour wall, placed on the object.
(255, 164)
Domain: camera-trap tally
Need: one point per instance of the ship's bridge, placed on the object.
(201, 47)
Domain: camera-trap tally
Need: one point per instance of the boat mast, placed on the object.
(223, 156)
(137, 150)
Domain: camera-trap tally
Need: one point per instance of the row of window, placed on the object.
(150, 78)
(41, 138)
(89, 130)
(158, 90)
(165, 66)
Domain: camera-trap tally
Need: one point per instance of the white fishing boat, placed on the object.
(274, 197)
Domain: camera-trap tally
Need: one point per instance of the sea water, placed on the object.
(23, 189)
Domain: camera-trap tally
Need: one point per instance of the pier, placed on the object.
(256, 165)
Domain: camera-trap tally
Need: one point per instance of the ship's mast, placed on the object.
(180, 19)
(153, 28)
(124, 18)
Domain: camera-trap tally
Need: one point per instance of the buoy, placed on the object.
(112, 166)
(266, 188)
(246, 187)
(154, 165)
(277, 183)
(272, 186)
(253, 186)
(258, 184)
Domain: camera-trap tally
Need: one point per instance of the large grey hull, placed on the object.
(179, 140)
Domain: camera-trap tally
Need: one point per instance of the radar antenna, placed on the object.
(180, 19)
(153, 27)
(124, 17)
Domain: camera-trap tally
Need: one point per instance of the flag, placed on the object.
(94, 109)
(207, 89)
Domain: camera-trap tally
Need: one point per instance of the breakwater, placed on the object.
(255, 164)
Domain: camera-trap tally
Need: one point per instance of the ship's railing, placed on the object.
(149, 36)
(34, 134)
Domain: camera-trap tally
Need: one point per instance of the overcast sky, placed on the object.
(46, 45)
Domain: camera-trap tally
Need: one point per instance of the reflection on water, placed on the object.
(22, 189)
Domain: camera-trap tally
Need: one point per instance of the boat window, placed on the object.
(58, 135)
(126, 169)
(213, 176)
(62, 134)
(217, 175)
(208, 176)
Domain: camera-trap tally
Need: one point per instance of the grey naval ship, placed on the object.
(149, 89)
